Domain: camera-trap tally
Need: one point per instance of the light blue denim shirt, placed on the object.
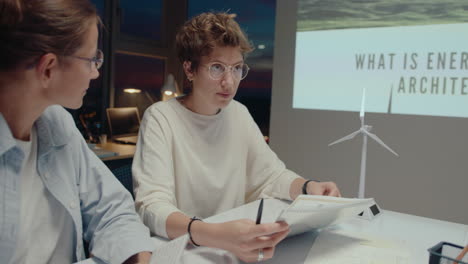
(102, 210)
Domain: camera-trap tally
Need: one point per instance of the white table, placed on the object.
(419, 233)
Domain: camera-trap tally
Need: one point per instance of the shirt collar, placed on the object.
(7, 141)
(52, 131)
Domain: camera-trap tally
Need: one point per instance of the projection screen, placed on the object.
(411, 57)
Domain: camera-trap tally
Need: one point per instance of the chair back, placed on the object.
(124, 175)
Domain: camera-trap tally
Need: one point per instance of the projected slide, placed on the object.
(411, 56)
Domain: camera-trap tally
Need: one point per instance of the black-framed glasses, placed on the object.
(216, 70)
(97, 60)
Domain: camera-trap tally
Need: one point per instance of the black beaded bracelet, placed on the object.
(189, 226)
(304, 187)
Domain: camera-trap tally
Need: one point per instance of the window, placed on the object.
(144, 74)
(142, 52)
(89, 114)
(137, 42)
(141, 20)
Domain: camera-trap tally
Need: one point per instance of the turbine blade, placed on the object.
(376, 138)
(348, 137)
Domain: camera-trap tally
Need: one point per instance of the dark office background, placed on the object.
(137, 42)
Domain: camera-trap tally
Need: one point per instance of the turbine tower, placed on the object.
(365, 131)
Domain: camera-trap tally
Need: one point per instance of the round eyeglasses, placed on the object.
(97, 60)
(217, 70)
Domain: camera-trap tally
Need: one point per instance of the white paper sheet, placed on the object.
(205, 255)
(271, 210)
(309, 212)
(169, 252)
(338, 247)
(172, 252)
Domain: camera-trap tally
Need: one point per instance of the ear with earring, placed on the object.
(188, 71)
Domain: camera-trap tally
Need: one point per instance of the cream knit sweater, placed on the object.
(202, 165)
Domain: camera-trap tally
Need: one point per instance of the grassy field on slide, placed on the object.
(341, 14)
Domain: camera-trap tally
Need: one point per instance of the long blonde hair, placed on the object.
(32, 28)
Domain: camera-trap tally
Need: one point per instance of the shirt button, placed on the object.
(72, 205)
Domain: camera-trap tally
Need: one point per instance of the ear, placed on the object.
(46, 68)
(188, 70)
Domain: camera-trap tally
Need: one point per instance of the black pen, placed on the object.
(259, 213)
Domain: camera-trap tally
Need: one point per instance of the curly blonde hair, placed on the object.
(199, 35)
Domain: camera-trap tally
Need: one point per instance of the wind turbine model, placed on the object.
(365, 131)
